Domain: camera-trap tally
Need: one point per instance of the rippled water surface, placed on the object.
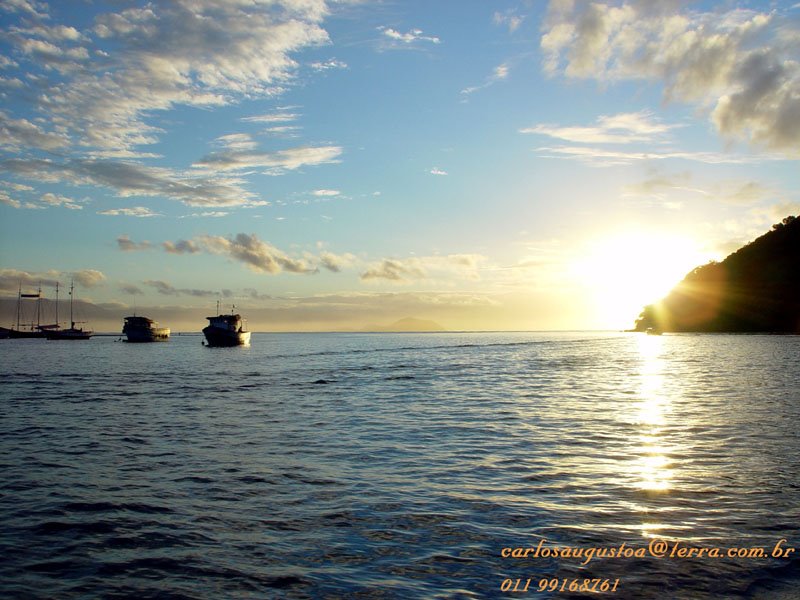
(396, 466)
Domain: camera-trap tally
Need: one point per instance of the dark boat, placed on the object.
(226, 330)
(72, 333)
(26, 330)
(143, 330)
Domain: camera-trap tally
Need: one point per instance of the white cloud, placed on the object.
(623, 128)
(326, 193)
(437, 171)
(20, 134)
(410, 38)
(214, 214)
(328, 65)
(276, 162)
(11, 279)
(128, 178)
(6, 199)
(133, 211)
(182, 53)
(508, 19)
(89, 278)
(237, 141)
(499, 73)
(740, 66)
(275, 117)
(601, 157)
(57, 200)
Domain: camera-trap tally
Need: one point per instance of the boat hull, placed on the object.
(17, 334)
(226, 338)
(144, 336)
(69, 334)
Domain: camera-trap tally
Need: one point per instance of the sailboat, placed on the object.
(26, 330)
(73, 333)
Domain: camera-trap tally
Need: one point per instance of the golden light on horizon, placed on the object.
(626, 271)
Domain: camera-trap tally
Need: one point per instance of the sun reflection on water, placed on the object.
(653, 464)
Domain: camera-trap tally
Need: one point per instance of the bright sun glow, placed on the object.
(630, 270)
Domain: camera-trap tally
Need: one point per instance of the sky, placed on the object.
(337, 165)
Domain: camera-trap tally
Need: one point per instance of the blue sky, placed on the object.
(503, 165)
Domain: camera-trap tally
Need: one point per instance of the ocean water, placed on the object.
(400, 466)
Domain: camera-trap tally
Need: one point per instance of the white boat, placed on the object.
(141, 330)
(226, 330)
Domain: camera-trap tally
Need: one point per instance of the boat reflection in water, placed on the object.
(143, 330)
(226, 330)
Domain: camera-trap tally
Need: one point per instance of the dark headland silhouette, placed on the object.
(755, 289)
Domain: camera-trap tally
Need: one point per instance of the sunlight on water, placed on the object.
(393, 466)
(653, 464)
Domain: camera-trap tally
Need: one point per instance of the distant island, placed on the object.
(408, 324)
(755, 289)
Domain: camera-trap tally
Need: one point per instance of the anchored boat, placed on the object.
(142, 330)
(72, 333)
(226, 330)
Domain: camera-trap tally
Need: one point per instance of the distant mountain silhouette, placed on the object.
(755, 289)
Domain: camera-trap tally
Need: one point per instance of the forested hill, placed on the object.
(755, 289)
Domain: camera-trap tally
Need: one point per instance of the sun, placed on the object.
(628, 270)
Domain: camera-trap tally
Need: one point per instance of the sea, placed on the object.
(437, 465)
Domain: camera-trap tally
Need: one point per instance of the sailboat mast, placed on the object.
(71, 287)
(39, 309)
(19, 301)
(57, 327)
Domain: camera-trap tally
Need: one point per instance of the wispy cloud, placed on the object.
(276, 162)
(601, 157)
(328, 65)
(407, 270)
(132, 211)
(335, 262)
(167, 289)
(499, 73)
(509, 19)
(669, 187)
(437, 171)
(126, 244)
(132, 179)
(623, 128)
(410, 39)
